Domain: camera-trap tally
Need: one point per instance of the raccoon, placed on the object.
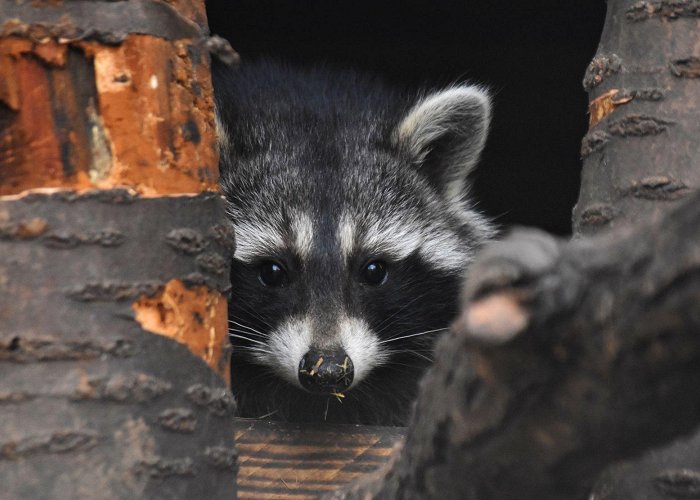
(354, 226)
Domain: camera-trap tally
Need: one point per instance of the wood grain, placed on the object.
(292, 461)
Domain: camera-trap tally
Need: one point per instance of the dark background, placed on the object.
(531, 54)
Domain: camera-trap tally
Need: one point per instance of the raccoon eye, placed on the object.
(272, 274)
(374, 273)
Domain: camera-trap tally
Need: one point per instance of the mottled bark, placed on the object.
(114, 354)
(567, 357)
(640, 155)
(102, 94)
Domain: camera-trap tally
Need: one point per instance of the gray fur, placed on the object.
(324, 170)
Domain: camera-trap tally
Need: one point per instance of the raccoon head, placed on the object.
(353, 227)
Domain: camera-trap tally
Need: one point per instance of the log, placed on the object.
(285, 461)
(567, 357)
(114, 255)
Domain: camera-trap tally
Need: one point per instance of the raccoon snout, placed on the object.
(326, 372)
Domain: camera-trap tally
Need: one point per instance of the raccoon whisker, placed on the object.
(412, 352)
(251, 311)
(244, 326)
(394, 339)
(253, 330)
(267, 414)
(383, 325)
(395, 364)
(247, 333)
(246, 338)
(325, 414)
(251, 349)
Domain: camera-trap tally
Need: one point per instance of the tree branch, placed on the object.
(567, 357)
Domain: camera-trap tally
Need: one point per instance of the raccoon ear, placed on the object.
(444, 134)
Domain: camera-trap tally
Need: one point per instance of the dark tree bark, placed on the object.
(641, 157)
(641, 152)
(569, 357)
(114, 353)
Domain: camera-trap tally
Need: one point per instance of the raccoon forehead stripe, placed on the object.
(303, 233)
(256, 239)
(346, 235)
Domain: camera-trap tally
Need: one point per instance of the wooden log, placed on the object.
(298, 461)
(118, 94)
(114, 255)
(567, 357)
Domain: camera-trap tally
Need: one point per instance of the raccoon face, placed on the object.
(353, 230)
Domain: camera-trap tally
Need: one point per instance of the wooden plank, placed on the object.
(293, 461)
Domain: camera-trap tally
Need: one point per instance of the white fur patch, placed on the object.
(395, 237)
(462, 112)
(346, 235)
(287, 345)
(444, 250)
(255, 240)
(400, 237)
(303, 234)
(361, 345)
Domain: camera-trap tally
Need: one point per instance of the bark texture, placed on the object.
(640, 155)
(114, 257)
(103, 94)
(567, 357)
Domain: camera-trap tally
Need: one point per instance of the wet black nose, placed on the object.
(326, 372)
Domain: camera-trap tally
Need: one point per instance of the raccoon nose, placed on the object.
(326, 372)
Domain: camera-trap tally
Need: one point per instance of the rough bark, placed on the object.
(114, 354)
(640, 155)
(568, 357)
(105, 93)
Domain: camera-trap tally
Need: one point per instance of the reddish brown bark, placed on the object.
(114, 352)
(135, 114)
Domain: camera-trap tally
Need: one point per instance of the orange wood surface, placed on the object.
(290, 461)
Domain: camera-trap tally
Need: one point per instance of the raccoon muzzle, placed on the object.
(326, 372)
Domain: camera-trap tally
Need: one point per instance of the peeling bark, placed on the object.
(114, 353)
(106, 94)
(643, 86)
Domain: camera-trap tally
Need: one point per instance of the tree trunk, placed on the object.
(571, 356)
(114, 353)
(641, 156)
(641, 152)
